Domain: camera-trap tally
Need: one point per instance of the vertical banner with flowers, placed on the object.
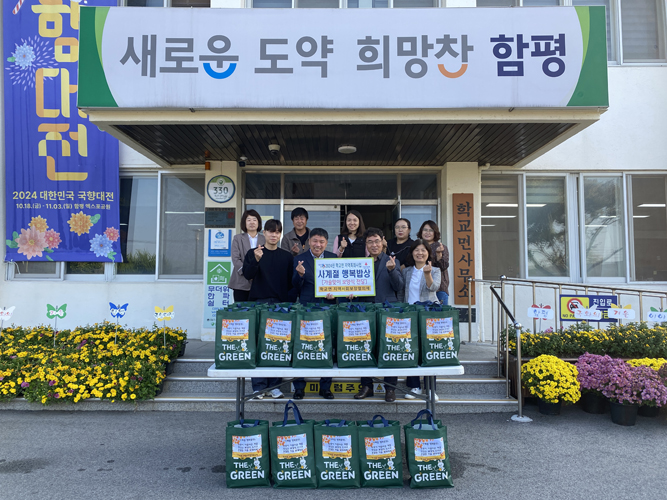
(61, 171)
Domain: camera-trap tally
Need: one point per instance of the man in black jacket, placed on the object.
(303, 280)
(270, 269)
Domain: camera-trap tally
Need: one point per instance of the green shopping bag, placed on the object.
(439, 336)
(313, 344)
(398, 338)
(380, 453)
(355, 345)
(277, 329)
(247, 450)
(337, 454)
(235, 338)
(292, 451)
(427, 452)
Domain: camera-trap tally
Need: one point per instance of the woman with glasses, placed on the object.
(430, 233)
(399, 246)
(422, 280)
(251, 225)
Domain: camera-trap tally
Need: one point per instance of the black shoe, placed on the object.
(298, 394)
(390, 395)
(364, 392)
(326, 394)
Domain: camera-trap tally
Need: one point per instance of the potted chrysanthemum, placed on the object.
(553, 381)
(632, 386)
(593, 375)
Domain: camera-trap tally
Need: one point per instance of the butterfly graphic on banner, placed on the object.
(117, 311)
(6, 313)
(56, 312)
(166, 314)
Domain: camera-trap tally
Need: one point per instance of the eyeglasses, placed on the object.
(401, 227)
(374, 243)
(427, 230)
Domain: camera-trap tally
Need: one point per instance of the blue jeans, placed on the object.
(442, 297)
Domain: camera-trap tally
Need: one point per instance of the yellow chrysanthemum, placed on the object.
(80, 223)
(39, 223)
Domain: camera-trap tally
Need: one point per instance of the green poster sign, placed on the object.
(218, 273)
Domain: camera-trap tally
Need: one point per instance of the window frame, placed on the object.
(165, 278)
(13, 274)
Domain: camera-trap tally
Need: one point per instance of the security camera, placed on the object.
(274, 149)
(242, 161)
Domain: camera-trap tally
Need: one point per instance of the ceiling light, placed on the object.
(498, 216)
(640, 216)
(488, 225)
(536, 205)
(347, 149)
(502, 205)
(652, 205)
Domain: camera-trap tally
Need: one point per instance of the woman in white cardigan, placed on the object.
(422, 281)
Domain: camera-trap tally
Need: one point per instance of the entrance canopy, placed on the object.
(405, 87)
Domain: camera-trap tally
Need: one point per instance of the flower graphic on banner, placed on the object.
(31, 243)
(52, 239)
(101, 246)
(39, 223)
(81, 223)
(112, 233)
(29, 55)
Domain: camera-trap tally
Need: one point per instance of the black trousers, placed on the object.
(325, 383)
(368, 381)
(241, 295)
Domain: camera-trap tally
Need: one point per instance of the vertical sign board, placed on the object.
(218, 293)
(61, 172)
(464, 248)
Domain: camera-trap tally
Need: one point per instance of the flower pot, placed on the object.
(169, 368)
(549, 408)
(624, 414)
(592, 402)
(181, 352)
(648, 411)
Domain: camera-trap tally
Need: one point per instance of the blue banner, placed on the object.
(61, 170)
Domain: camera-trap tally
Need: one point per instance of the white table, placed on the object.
(429, 374)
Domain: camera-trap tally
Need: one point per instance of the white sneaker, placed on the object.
(259, 396)
(415, 390)
(275, 393)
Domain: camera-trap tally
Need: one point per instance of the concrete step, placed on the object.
(311, 404)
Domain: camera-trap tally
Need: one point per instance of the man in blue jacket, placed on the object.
(303, 280)
(388, 283)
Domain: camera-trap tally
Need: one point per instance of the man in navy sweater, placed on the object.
(303, 280)
(270, 269)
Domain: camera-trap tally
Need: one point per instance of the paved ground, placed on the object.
(179, 455)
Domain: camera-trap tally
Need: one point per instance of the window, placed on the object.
(367, 4)
(419, 187)
(182, 226)
(603, 227)
(642, 23)
(317, 4)
(417, 215)
(546, 227)
(272, 4)
(35, 270)
(191, 3)
(262, 186)
(267, 212)
(84, 268)
(138, 223)
(414, 4)
(648, 224)
(340, 187)
(497, 3)
(501, 249)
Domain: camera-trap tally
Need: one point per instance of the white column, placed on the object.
(463, 177)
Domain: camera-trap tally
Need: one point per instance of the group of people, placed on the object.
(270, 271)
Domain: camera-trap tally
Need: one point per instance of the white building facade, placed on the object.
(582, 199)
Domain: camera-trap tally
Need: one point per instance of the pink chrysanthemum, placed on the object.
(31, 243)
(52, 239)
(112, 233)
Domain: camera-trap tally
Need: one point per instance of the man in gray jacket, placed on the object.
(296, 241)
(388, 284)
